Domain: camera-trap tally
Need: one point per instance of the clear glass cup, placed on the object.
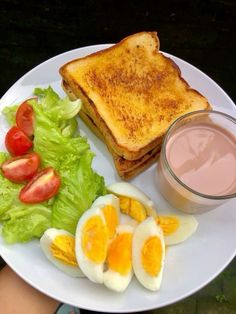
(176, 192)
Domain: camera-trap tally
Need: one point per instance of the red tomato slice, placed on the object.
(20, 169)
(42, 187)
(17, 143)
(25, 118)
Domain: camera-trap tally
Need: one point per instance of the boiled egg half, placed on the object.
(110, 207)
(133, 201)
(59, 247)
(91, 243)
(119, 260)
(177, 228)
(148, 253)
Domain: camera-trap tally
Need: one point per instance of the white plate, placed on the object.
(188, 267)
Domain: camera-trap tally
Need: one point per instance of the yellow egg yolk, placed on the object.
(133, 208)
(111, 218)
(151, 255)
(95, 239)
(63, 248)
(119, 254)
(169, 224)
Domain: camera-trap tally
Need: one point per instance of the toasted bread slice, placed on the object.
(122, 165)
(132, 92)
(89, 117)
(142, 167)
(126, 169)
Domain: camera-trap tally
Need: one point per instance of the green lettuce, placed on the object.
(59, 144)
(8, 191)
(80, 186)
(10, 114)
(61, 111)
(52, 145)
(69, 154)
(26, 222)
(20, 222)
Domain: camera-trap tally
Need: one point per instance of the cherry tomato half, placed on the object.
(25, 118)
(41, 187)
(17, 143)
(22, 168)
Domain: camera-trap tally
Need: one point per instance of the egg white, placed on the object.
(45, 243)
(187, 226)
(127, 220)
(130, 190)
(92, 270)
(113, 279)
(144, 231)
(109, 200)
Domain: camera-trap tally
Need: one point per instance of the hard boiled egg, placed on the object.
(110, 206)
(177, 228)
(133, 201)
(119, 260)
(148, 253)
(91, 243)
(59, 248)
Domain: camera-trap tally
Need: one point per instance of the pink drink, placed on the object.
(197, 166)
(203, 156)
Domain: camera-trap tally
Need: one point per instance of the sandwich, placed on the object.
(131, 93)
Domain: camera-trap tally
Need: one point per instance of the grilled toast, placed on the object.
(125, 168)
(132, 93)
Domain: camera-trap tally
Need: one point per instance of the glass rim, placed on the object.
(163, 153)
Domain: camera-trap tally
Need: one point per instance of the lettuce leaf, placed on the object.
(61, 111)
(51, 144)
(57, 141)
(10, 114)
(3, 157)
(26, 222)
(21, 222)
(8, 191)
(69, 153)
(80, 186)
